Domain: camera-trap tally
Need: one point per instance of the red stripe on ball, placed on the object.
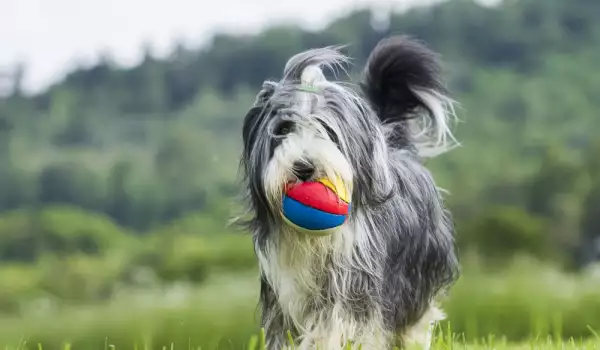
(318, 196)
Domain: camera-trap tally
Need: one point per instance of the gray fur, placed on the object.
(375, 278)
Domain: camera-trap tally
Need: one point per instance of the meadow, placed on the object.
(527, 305)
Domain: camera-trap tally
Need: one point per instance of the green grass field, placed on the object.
(515, 309)
(440, 342)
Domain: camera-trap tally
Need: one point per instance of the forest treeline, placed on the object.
(147, 145)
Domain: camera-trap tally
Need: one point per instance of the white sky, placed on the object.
(49, 35)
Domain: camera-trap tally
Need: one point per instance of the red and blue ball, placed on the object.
(316, 207)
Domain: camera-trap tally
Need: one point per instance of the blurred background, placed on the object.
(120, 128)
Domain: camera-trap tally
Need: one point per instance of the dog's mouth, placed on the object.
(291, 183)
(304, 170)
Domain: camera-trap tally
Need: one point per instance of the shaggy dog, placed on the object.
(376, 280)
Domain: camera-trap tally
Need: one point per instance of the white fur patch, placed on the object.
(436, 128)
(420, 335)
(292, 269)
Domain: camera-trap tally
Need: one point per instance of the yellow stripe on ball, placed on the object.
(338, 187)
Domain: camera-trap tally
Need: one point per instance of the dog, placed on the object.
(378, 279)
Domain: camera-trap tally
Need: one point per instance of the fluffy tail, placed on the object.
(402, 81)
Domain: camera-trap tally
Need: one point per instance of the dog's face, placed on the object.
(301, 130)
(304, 143)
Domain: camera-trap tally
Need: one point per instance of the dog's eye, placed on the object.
(332, 136)
(284, 128)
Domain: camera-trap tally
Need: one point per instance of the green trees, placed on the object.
(152, 143)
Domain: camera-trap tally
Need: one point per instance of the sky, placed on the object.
(50, 36)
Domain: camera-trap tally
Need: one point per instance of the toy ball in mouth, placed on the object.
(316, 207)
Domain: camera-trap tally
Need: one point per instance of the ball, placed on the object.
(316, 207)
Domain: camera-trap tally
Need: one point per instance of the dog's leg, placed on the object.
(273, 320)
(275, 338)
(420, 335)
(276, 331)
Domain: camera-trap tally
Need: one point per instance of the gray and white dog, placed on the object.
(377, 279)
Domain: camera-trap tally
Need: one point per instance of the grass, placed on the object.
(522, 299)
(444, 340)
(199, 317)
(524, 307)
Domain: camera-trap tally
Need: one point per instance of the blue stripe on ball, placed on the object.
(310, 218)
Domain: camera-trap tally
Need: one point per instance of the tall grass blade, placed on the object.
(263, 340)
(253, 343)
(290, 340)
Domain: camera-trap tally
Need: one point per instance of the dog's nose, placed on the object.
(303, 170)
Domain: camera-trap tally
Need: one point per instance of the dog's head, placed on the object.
(305, 126)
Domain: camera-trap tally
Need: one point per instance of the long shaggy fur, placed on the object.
(376, 280)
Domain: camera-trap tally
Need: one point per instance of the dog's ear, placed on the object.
(402, 78)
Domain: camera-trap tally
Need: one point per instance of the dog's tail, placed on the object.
(402, 81)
